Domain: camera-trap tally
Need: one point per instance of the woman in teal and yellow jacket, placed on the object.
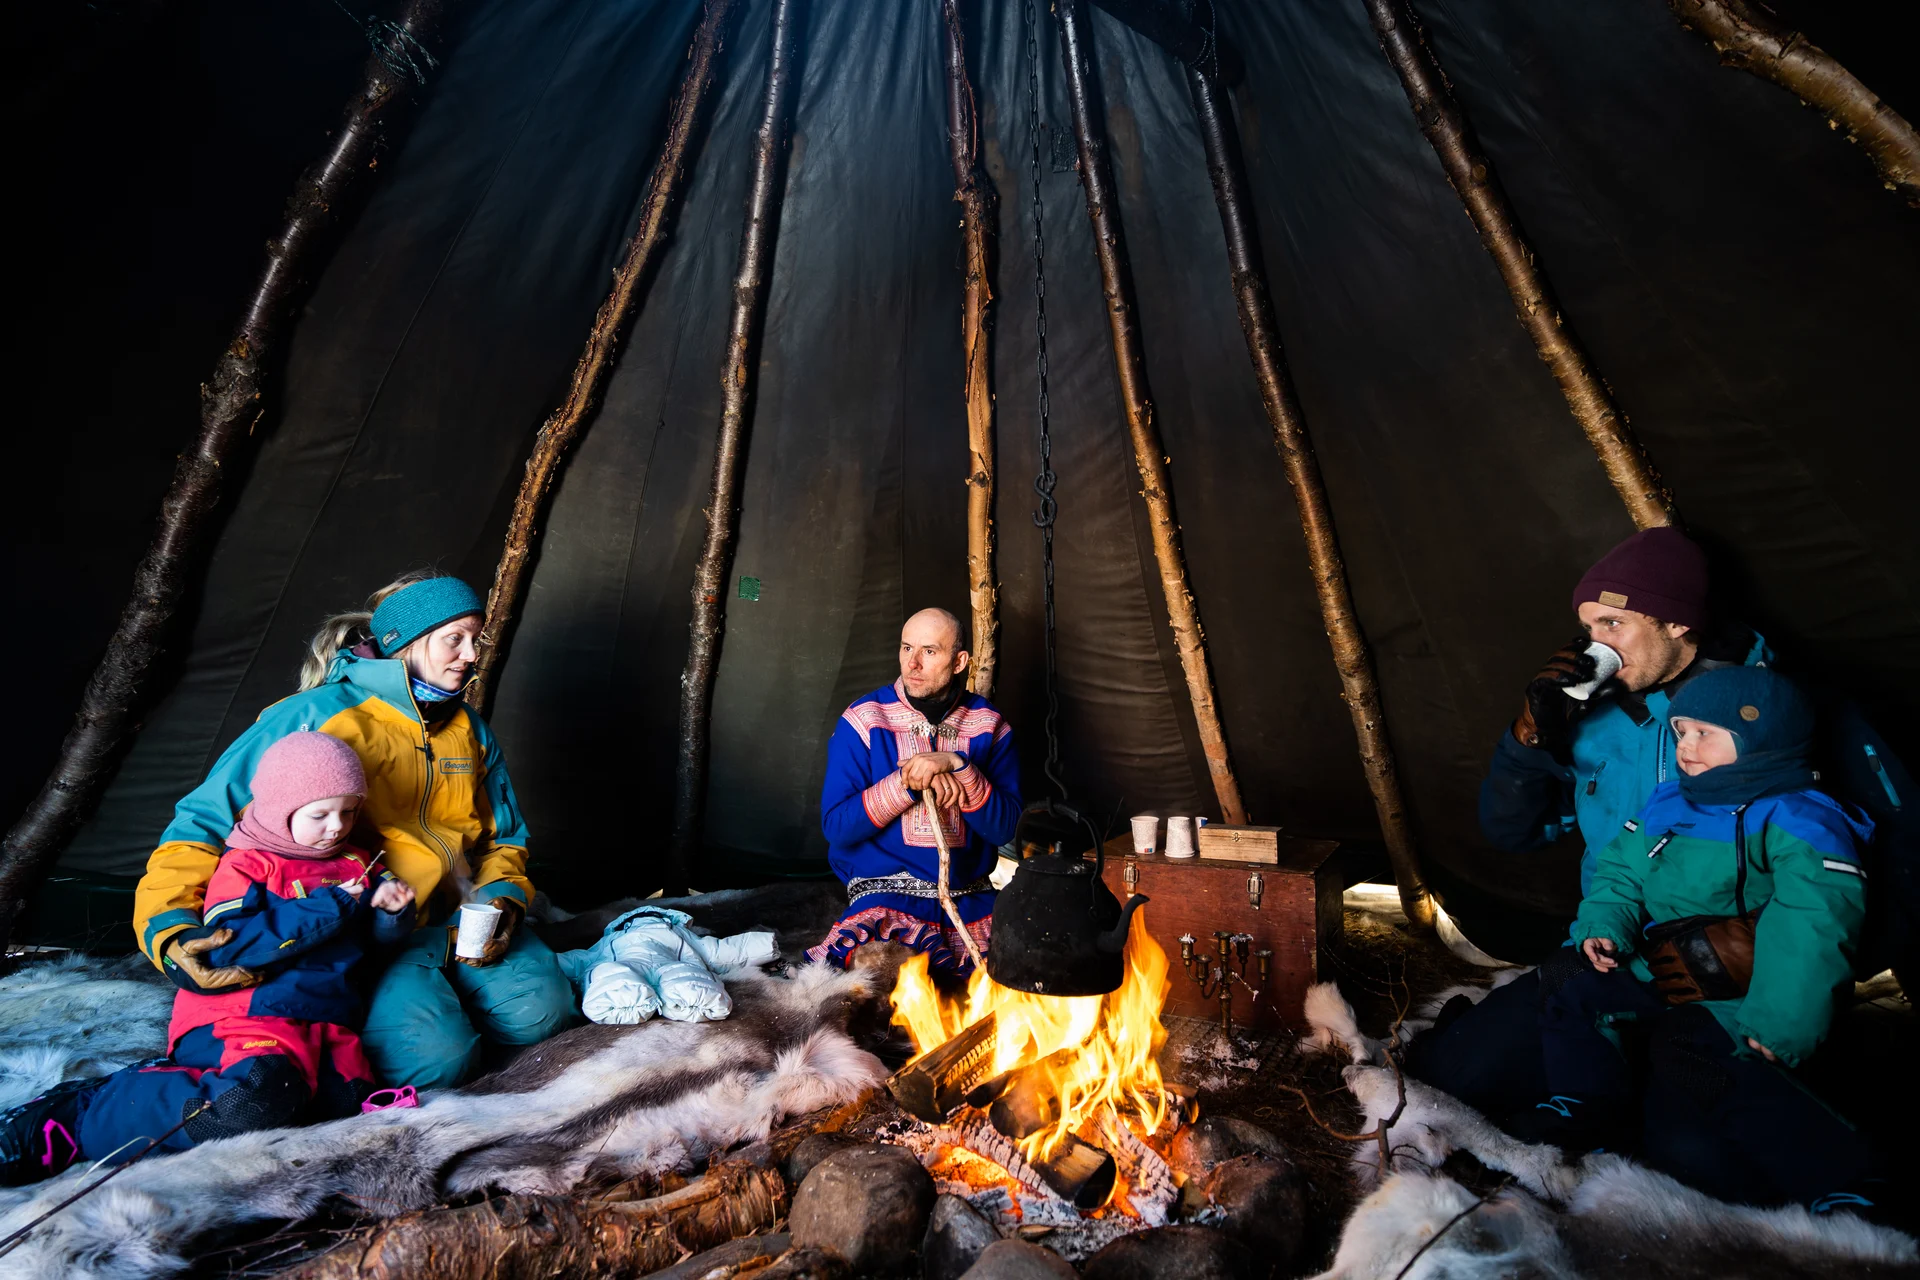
(388, 683)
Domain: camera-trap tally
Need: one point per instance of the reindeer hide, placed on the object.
(597, 1099)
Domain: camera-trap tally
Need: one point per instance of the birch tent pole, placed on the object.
(975, 195)
(1471, 173)
(562, 428)
(231, 402)
(1748, 37)
(751, 275)
(1129, 358)
(1359, 689)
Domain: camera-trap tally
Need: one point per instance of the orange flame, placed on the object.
(1117, 1035)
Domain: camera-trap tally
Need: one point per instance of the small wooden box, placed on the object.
(1240, 844)
(1291, 907)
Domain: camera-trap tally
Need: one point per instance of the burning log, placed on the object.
(528, 1236)
(933, 1085)
(1151, 1188)
(1078, 1171)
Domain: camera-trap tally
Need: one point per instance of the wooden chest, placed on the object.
(1292, 909)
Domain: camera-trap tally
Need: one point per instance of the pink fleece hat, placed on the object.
(293, 773)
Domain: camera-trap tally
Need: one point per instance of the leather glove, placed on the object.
(1547, 714)
(511, 913)
(181, 960)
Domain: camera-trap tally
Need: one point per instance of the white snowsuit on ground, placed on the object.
(649, 962)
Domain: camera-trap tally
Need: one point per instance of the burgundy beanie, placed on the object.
(1659, 572)
(293, 773)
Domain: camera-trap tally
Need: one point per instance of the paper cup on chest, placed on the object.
(477, 923)
(1179, 837)
(1146, 833)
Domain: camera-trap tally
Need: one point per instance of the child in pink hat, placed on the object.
(293, 901)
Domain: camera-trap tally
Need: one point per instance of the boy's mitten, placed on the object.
(1547, 714)
(183, 960)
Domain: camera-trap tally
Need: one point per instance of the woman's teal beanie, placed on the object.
(412, 611)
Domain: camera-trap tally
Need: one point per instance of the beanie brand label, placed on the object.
(1749, 713)
(1613, 600)
(387, 640)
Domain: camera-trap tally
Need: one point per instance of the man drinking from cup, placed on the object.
(1588, 762)
(920, 750)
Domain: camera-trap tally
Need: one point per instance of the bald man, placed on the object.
(922, 734)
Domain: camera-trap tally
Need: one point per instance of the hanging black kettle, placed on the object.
(1057, 929)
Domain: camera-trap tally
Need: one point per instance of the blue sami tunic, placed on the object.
(879, 839)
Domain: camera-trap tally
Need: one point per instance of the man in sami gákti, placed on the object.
(923, 734)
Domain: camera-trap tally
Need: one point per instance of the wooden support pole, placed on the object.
(1361, 692)
(231, 402)
(1471, 173)
(1750, 38)
(750, 280)
(1130, 361)
(975, 195)
(524, 1237)
(562, 428)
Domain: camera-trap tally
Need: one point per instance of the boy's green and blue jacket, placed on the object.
(1804, 883)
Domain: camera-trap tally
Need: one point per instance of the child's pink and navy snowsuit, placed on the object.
(263, 1056)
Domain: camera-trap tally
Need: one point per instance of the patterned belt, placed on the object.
(912, 886)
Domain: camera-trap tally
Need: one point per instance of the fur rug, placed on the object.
(78, 1016)
(1605, 1218)
(595, 1100)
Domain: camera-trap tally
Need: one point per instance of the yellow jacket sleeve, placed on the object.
(172, 892)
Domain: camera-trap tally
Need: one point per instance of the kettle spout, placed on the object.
(1115, 939)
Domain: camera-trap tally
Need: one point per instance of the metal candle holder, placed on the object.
(1217, 978)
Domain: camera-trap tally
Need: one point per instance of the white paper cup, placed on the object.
(1606, 663)
(1179, 837)
(477, 923)
(1146, 831)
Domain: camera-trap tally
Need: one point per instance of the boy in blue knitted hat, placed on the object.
(1724, 921)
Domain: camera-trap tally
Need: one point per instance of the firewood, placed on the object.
(1130, 363)
(931, 1086)
(558, 434)
(1078, 1171)
(523, 1237)
(231, 402)
(1472, 176)
(752, 274)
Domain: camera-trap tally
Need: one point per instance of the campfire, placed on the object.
(1044, 1110)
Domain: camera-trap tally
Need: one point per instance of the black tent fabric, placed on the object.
(1734, 269)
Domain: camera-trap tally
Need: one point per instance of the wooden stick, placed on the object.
(1470, 171)
(730, 447)
(562, 428)
(1359, 689)
(522, 1237)
(1748, 37)
(977, 215)
(230, 406)
(945, 887)
(1130, 362)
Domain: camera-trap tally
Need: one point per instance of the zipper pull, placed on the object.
(1593, 783)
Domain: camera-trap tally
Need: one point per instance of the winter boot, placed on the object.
(37, 1137)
